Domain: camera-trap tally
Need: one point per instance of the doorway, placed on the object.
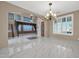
(42, 29)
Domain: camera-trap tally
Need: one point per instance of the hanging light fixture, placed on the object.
(50, 15)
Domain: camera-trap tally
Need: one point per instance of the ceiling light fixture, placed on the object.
(50, 15)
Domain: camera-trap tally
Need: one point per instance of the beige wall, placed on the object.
(3, 27)
(47, 28)
(75, 35)
(39, 21)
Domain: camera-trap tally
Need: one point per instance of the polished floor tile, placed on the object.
(43, 48)
(4, 53)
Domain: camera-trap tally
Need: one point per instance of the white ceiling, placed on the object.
(42, 7)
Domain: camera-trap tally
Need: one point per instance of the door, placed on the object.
(42, 28)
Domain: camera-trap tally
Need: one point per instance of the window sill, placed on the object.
(63, 34)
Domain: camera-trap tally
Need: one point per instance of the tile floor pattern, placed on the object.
(43, 48)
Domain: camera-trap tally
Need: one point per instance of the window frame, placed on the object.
(72, 20)
(27, 18)
(9, 17)
(18, 19)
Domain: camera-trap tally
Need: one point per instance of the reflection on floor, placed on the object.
(31, 38)
(4, 53)
(43, 47)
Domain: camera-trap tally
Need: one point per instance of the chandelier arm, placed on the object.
(50, 14)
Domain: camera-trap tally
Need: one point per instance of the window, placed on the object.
(63, 25)
(55, 26)
(19, 27)
(27, 27)
(69, 25)
(11, 16)
(17, 17)
(9, 27)
(27, 19)
(59, 26)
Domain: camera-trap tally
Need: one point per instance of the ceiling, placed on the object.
(42, 7)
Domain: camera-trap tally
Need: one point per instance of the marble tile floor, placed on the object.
(43, 48)
(4, 53)
(46, 48)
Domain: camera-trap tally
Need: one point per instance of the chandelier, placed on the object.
(50, 15)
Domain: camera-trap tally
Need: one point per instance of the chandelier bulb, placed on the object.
(50, 15)
(54, 14)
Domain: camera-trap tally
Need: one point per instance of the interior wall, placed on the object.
(3, 27)
(47, 28)
(75, 35)
(39, 20)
